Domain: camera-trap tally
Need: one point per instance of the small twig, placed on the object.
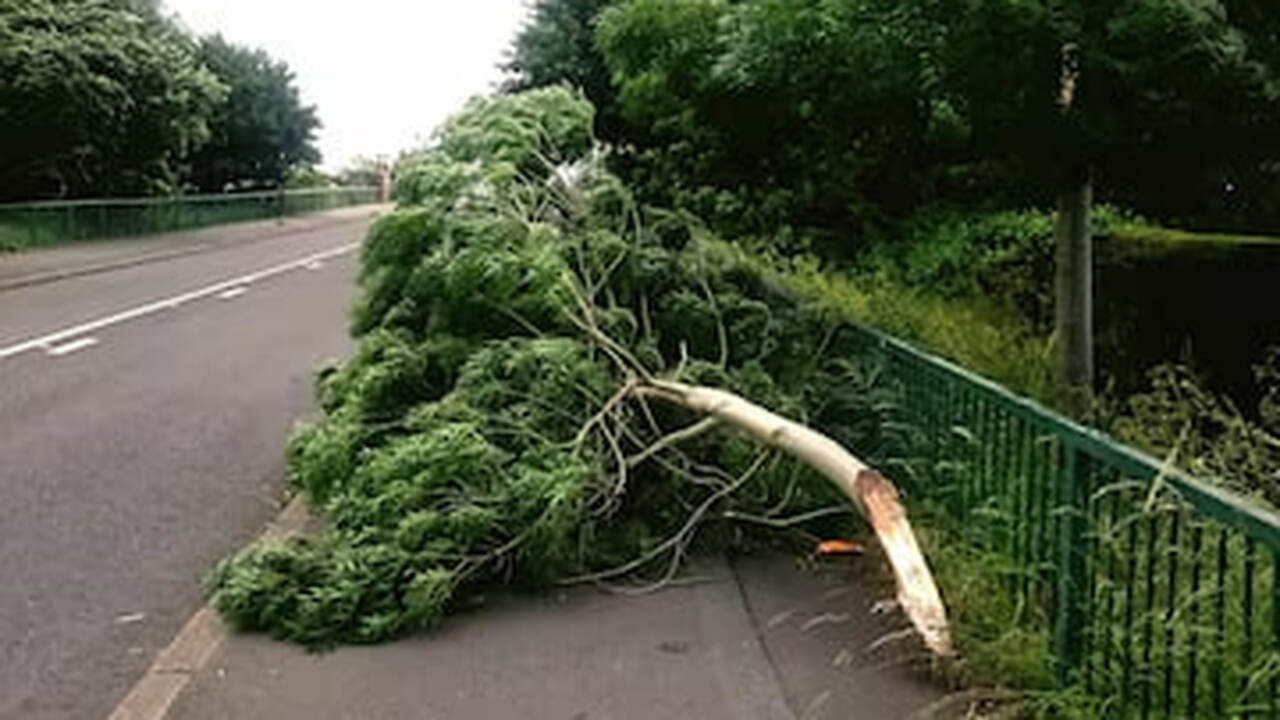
(890, 638)
(944, 706)
(654, 587)
(721, 334)
(608, 271)
(714, 470)
(646, 323)
(620, 355)
(476, 564)
(675, 539)
(673, 438)
(648, 415)
(517, 317)
(790, 521)
(620, 486)
(613, 400)
(1158, 481)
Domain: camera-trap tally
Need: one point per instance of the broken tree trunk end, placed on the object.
(875, 497)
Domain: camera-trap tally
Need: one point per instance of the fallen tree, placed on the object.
(551, 387)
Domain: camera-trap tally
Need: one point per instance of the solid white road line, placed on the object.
(234, 292)
(73, 346)
(171, 302)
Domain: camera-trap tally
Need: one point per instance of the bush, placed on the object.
(1007, 256)
(1205, 432)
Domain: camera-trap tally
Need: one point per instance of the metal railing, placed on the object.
(37, 224)
(1160, 590)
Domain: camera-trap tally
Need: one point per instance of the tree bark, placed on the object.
(1073, 307)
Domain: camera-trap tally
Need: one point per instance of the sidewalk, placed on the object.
(760, 638)
(91, 256)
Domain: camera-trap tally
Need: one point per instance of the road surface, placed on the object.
(142, 414)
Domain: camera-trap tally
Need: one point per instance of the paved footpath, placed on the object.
(758, 639)
(146, 390)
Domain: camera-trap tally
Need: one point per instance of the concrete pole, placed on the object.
(384, 182)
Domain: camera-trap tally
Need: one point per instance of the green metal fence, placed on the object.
(37, 224)
(1161, 590)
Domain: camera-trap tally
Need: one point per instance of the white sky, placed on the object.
(382, 73)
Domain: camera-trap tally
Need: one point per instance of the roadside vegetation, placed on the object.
(109, 98)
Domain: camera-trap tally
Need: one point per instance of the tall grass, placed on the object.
(1178, 610)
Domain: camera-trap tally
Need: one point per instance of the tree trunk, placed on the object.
(1073, 309)
(874, 496)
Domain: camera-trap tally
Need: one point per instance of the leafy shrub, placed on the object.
(1206, 433)
(1006, 255)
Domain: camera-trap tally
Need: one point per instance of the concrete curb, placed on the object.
(197, 641)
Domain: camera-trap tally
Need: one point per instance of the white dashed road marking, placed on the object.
(47, 341)
(234, 292)
(73, 346)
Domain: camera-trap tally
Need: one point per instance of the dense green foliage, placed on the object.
(262, 130)
(97, 98)
(472, 439)
(113, 97)
(1206, 433)
(838, 118)
(556, 46)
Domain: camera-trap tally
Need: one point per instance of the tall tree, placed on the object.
(556, 46)
(262, 131)
(97, 97)
(1145, 98)
(812, 113)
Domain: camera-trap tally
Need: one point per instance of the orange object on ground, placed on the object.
(841, 547)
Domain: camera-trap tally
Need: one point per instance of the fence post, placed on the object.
(1069, 623)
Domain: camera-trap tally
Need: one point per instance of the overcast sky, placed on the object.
(383, 73)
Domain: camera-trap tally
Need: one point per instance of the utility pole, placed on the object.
(384, 180)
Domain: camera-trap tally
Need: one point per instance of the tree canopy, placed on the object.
(1171, 104)
(114, 97)
(835, 116)
(97, 98)
(262, 130)
(558, 45)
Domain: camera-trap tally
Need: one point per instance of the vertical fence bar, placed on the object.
(1017, 518)
(1071, 563)
(1171, 603)
(1197, 538)
(934, 409)
(1093, 541)
(1148, 639)
(1113, 502)
(1246, 658)
(1028, 504)
(1047, 476)
(1131, 579)
(1275, 626)
(1220, 637)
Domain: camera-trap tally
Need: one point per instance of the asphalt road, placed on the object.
(135, 454)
